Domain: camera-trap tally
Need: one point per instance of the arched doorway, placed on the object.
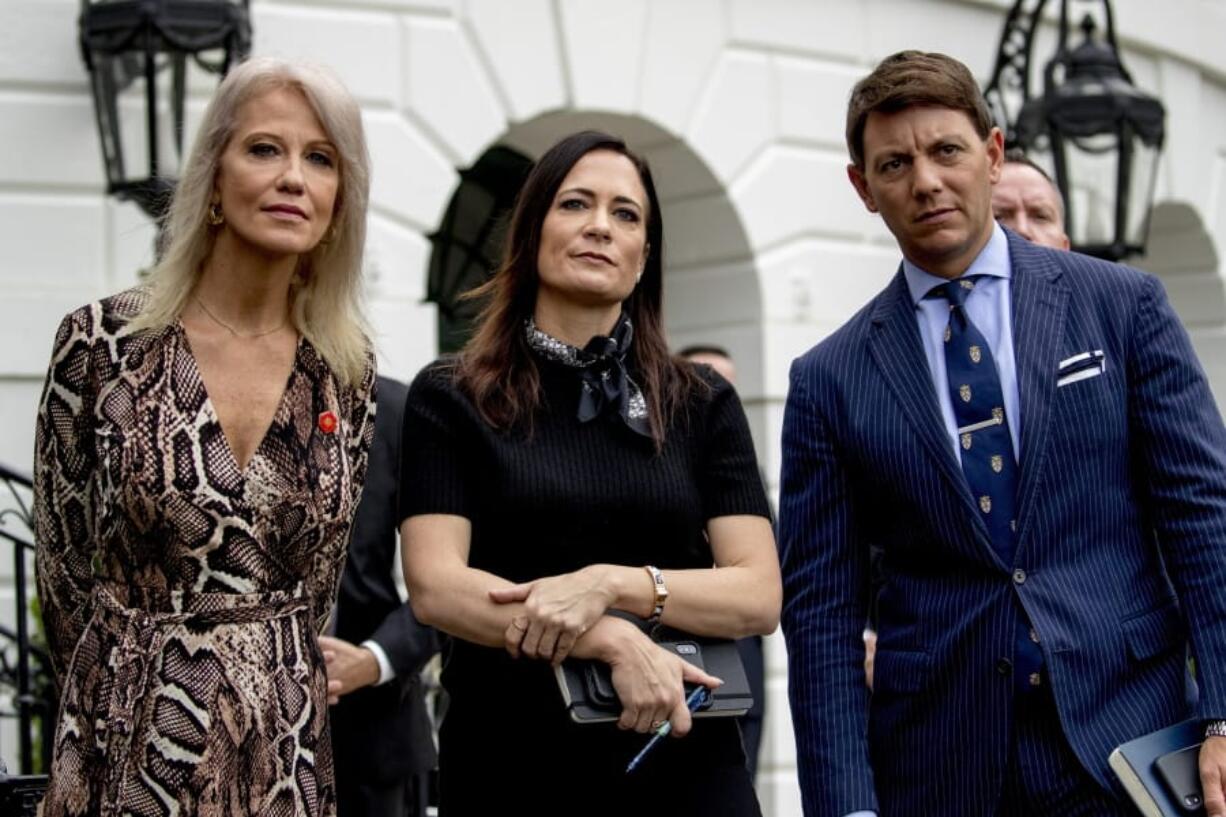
(1181, 252)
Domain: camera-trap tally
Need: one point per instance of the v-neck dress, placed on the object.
(181, 595)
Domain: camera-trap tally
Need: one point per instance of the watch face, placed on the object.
(661, 592)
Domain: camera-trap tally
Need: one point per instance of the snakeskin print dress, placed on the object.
(182, 596)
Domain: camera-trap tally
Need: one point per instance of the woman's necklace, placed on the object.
(234, 331)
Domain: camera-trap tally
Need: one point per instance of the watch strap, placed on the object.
(661, 593)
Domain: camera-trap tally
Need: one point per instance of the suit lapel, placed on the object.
(897, 350)
(1039, 300)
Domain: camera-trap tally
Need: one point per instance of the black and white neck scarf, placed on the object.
(602, 372)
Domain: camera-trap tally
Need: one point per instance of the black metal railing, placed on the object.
(26, 686)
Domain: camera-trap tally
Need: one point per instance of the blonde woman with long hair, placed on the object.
(200, 449)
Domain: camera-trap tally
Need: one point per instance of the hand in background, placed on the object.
(870, 653)
(350, 667)
(557, 611)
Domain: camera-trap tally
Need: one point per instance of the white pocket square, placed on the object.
(1079, 367)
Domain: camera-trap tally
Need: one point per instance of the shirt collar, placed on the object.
(992, 260)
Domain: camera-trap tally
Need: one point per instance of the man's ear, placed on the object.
(858, 181)
(995, 145)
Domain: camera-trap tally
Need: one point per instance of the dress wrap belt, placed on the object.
(139, 633)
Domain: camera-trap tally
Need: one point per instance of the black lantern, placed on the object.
(143, 56)
(1099, 135)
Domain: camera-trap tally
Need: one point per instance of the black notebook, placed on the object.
(1160, 770)
(587, 686)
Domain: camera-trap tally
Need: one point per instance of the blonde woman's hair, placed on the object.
(325, 296)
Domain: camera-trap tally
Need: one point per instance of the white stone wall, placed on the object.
(739, 103)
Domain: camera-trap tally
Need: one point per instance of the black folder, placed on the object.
(1160, 772)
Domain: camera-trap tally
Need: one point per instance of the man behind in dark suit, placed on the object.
(382, 740)
(1027, 437)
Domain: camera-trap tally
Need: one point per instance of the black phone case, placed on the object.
(1180, 773)
(599, 682)
(587, 686)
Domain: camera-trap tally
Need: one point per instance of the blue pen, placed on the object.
(697, 699)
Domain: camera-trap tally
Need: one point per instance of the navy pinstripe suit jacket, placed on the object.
(1122, 544)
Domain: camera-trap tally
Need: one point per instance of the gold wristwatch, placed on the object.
(657, 584)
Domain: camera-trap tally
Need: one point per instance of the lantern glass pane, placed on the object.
(111, 76)
(1090, 165)
(125, 123)
(1142, 176)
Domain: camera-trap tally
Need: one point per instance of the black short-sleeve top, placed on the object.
(566, 494)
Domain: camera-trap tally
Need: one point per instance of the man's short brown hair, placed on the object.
(914, 78)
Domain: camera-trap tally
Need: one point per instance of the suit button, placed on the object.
(1035, 679)
(1019, 576)
(1034, 635)
(1004, 666)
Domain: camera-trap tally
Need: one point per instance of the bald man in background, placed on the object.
(1027, 202)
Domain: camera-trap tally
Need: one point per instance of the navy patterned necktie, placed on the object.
(979, 410)
(988, 461)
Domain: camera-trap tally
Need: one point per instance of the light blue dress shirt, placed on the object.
(989, 308)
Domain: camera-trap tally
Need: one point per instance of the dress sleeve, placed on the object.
(730, 478)
(359, 429)
(434, 456)
(64, 463)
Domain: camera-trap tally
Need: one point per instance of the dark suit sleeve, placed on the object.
(407, 643)
(369, 601)
(1181, 446)
(825, 572)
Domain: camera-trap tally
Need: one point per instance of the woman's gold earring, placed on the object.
(216, 217)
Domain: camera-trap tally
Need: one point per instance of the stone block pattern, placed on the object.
(76, 222)
(735, 119)
(362, 47)
(682, 43)
(38, 42)
(50, 141)
(441, 68)
(526, 64)
(603, 45)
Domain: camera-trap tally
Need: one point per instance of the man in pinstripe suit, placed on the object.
(1028, 438)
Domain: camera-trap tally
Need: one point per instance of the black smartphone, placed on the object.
(1180, 772)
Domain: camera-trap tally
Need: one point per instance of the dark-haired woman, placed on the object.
(565, 466)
